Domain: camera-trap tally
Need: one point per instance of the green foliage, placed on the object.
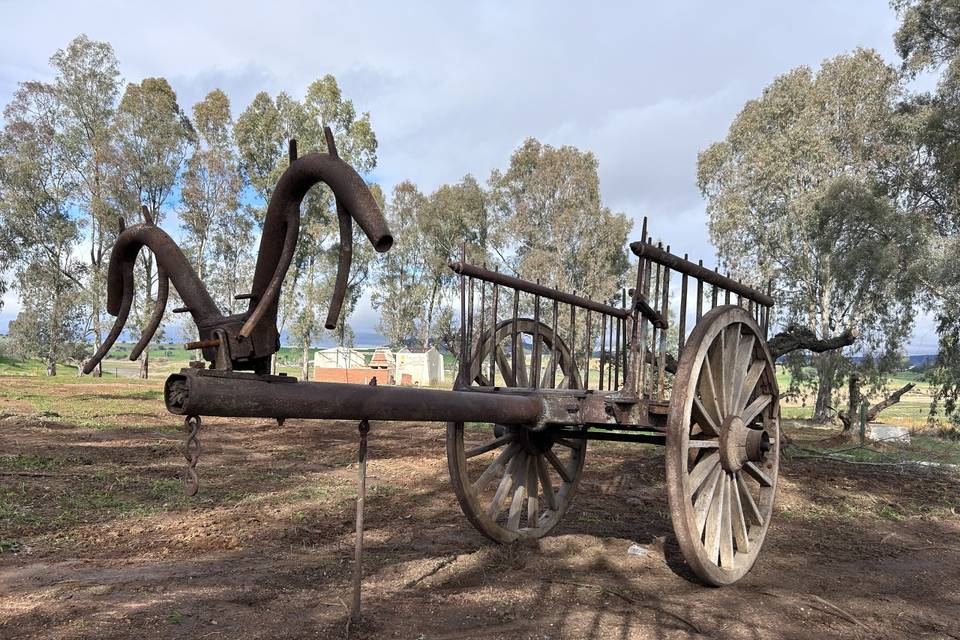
(37, 191)
(807, 190)
(929, 40)
(554, 222)
(212, 218)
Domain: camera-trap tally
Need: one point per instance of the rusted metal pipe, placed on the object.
(667, 259)
(519, 284)
(281, 226)
(247, 396)
(344, 251)
(123, 257)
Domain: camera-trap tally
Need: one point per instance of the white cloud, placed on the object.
(454, 88)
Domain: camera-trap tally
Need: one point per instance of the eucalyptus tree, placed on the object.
(553, 224)
(217, 228)
(807, 190)
(261, 134)
(38, 191)
(401, 273)
(86, 87)
(928, 41)
(456, 218)
(151, 138)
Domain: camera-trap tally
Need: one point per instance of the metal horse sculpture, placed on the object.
(245, 341)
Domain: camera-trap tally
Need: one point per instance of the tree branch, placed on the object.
(799, 338)
(875, 410)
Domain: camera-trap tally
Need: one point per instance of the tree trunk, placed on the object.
(428, 329)
(874, 411)
(305, 367)
(51, 367)
(825, 369)
(273, 364)
(145, 364)
(97, 333)
(854, 400)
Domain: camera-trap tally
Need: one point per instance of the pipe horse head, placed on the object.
(247, 340)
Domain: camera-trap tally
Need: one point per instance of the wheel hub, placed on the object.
(535, 443)
(740, 443)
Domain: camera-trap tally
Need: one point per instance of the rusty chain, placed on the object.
(191, 451)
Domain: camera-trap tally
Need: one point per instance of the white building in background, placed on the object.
(382, 359)
(338, 358)
(422, 367)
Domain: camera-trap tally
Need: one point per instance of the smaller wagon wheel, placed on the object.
(512, 482)
(723, 449)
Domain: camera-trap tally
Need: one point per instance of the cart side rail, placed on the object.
(529, 321)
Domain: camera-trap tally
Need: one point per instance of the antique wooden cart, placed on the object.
(541, 373)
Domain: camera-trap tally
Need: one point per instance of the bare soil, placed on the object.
(101, 543)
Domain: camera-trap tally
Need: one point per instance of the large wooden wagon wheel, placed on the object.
(722, 445)
(512, 482)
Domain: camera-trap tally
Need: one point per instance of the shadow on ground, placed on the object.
(106, 546)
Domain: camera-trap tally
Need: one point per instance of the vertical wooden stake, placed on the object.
(364, 429)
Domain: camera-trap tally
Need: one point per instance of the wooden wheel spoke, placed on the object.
(522, 379)
(702, 470)
(536, 357)
(726, 525)
(567, 443)
(717, 377)
(712, 443)
(731, 379)
(741, 367)
(506, 483)
(757, 474)
(749, 384)
(714, 530)
(548, 372)
(533, 506)
(506, 370)
(755, 407)
(558, 465)
(747, 502)
(708, 423)
(545, 482)
(519, 491)
(709, 393)
(490, 446)
(701, 505)
(495, 466)
(740, 534)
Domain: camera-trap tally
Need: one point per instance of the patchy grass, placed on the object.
(912, 411)
(925, 446)
(88, 402)
(13, 367)
(28, 462)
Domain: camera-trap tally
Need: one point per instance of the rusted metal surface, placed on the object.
(667, 259)
(251, 337)
(192, 392)
(519, 284)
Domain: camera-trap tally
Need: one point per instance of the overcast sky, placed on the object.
(454, 89)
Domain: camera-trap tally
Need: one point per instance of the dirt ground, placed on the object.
(99, 542)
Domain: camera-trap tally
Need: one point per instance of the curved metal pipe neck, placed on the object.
(283, 210)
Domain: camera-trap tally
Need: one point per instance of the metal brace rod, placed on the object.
(364, 429)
